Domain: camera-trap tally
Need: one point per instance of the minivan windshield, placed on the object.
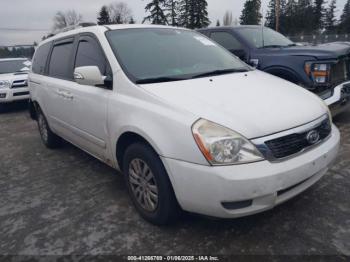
(12, 66)
(263, 37)
(154, 55)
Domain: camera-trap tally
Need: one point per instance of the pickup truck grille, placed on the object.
(19, 84)
(289, 145)
(340, 72)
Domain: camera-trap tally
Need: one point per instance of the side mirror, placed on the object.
(88, 75)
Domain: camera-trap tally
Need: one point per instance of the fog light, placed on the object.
(2, 95)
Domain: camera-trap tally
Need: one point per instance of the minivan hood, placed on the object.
(323, 51)
(254, 104)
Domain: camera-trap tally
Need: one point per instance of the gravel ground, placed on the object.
(55, 202)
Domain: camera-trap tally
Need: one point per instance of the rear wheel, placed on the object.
(49, 139)
(149, 185)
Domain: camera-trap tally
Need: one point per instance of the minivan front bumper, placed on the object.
(241, 190)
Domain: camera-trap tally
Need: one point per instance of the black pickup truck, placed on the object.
(322, 69)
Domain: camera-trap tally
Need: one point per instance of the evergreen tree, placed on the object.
(193, 14)
(183, 18)
(251, 14)
(304, 19)
(172, 9)
(202, 18)
(271, 15)
(156, 8)
(330, 19)
(103, 18)
(319, 15)
(289, 15)
(218, 22)
(344, 26)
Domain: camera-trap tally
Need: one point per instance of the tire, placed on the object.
(49, 139)
(32, 110)
(151, 191)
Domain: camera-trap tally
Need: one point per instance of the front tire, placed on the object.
(49, 139)
(149, 186)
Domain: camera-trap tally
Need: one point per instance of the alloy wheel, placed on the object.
(143, 185)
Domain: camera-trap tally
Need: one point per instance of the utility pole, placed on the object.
(277, 12)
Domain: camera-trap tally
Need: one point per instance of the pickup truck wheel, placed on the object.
(149, 186)
(49, 139)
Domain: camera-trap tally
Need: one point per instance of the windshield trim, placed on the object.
(180, 77)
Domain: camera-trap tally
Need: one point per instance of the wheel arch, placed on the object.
(284, 73)
(33, 107)
(128, 138)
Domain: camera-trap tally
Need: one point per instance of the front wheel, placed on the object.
(49, 139)
(149, 186)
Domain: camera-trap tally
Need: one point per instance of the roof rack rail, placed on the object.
(72, 27)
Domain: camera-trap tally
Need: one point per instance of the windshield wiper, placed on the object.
(158, 80)
(221, 72)
(273, 46)
(277, 46)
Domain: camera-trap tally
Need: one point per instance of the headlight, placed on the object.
(5, 84)
(319, 73)
(222, 146)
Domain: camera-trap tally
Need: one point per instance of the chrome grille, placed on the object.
(292, 142)
(340, 71)
(19, 83)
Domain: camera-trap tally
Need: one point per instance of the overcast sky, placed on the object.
(33, 18)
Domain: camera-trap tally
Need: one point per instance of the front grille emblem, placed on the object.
(313, 137)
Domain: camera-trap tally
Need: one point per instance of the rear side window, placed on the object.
(40, 58)
(60, 62)
(226, 40)
(90, 54)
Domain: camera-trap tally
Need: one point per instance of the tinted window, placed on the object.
(226, 40)
(13, 66)
(264, 37)
(169, 53)
(90, 54)
(60, 63)
(40, 58)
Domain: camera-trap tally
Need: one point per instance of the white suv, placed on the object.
(190, 125)
(13, 79)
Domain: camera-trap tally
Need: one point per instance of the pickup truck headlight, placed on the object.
(222, 146)
(5, 84)
(318, 72)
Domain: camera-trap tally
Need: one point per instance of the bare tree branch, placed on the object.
(119, 13)
(64, 19)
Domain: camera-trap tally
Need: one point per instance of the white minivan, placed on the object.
(190, 126)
